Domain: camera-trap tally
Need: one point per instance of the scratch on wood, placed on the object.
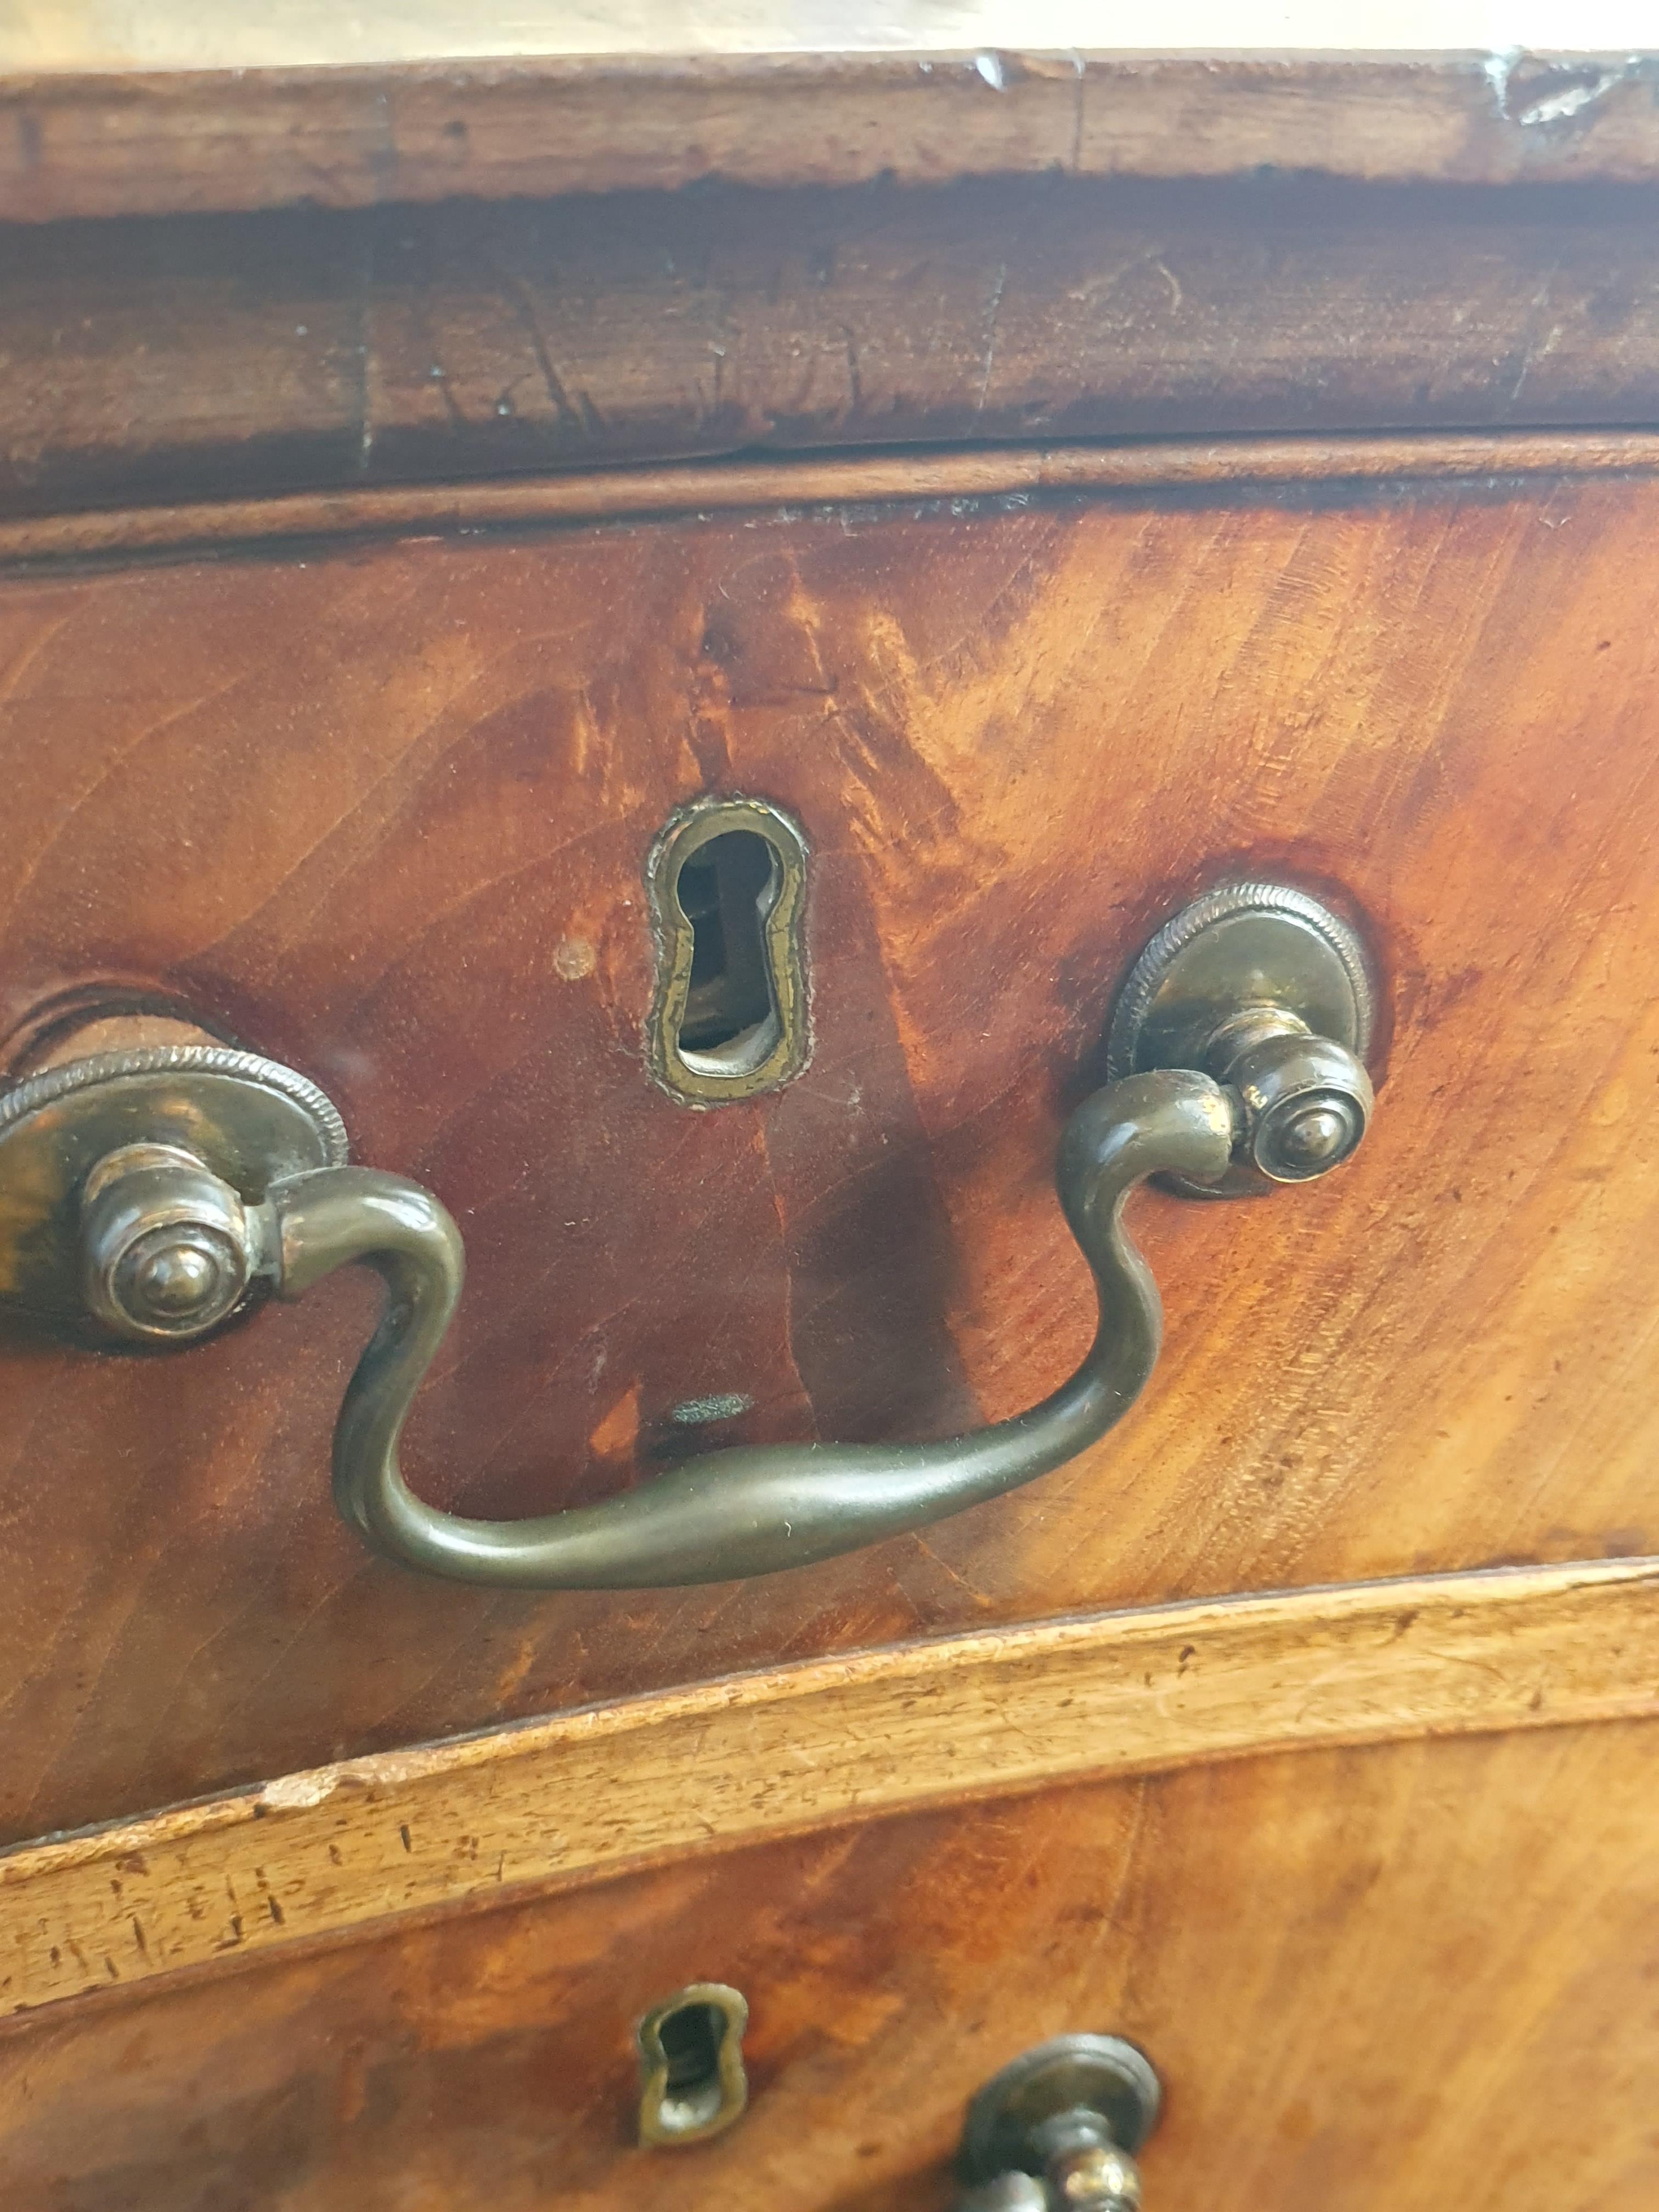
(854, 383)
(520, 298)
(992, 312)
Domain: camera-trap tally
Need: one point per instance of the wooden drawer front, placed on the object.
(383, 812)
(1420, 1972)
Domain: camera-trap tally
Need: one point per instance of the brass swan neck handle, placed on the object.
(170, 1185)
(752, 1508)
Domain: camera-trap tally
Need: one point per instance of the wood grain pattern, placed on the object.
(1356, 1969)
(330, 1852)
(173, 360)
(382, 811)
(163, 140)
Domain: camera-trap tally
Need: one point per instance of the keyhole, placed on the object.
(693, 2082)
(727, 878)
(725, 890)
(691, 2041)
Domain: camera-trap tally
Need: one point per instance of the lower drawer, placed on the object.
(1420, 1972)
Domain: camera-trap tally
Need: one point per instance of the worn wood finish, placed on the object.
(1420, 1973)
(219, 355)
(383, 814)
(332, 1851)
(77, 140)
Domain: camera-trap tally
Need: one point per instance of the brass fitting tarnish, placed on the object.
(1267, 989)
(1058, 2129)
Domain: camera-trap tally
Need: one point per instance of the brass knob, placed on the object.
(1269, 992)
(1057, 2130)
(165, 1250)
(1306, 1100)
(1094, 2175)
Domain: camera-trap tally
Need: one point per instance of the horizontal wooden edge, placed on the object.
(582, 1794)
(166, 140)
(727, 487)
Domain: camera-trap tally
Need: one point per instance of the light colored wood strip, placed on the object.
(763, 1755)
(612, 494)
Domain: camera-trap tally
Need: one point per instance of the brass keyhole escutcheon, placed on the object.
(730, 1017)
(692, 2082)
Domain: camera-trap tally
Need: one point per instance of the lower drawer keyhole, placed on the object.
(692, 2078)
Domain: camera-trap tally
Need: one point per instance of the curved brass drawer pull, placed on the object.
(750, 1510)
(189, 1176)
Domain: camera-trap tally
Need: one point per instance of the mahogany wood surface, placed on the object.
(957, 1718)
(384, 813)
(1416, 1974)
(478, 107)
(214, 356)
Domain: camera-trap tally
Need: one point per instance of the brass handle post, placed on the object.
(1057, 2130)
